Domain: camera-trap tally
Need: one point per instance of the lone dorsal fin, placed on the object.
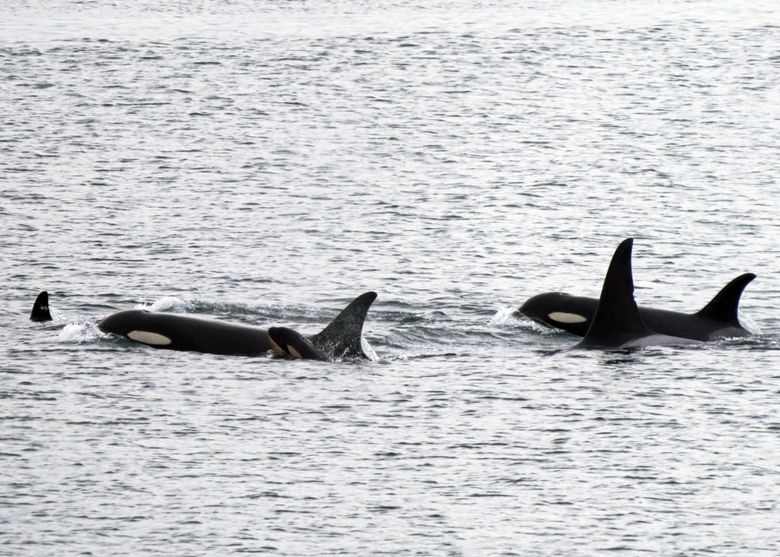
(617, 320)
(342, 338)
(725, 305)
(40, 310)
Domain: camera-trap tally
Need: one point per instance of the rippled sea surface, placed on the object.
(265, 162)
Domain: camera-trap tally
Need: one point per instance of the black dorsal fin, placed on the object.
(40, 310)
(617, 320)
(342, 338)
(725, 305)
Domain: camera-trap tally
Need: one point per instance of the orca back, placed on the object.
(183, 332)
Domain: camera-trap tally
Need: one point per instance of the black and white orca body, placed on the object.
(287, 342)
(184, 332)
(718, 319)
(617, 322)
(341, 339)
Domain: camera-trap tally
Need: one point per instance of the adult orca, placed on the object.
(40, 310)
(718, 319)
(617, 323)
(341, 339)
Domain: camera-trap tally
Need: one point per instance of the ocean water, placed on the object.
(266, 162)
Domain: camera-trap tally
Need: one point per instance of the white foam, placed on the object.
(506, 315)
(167, 303)
(80, 333)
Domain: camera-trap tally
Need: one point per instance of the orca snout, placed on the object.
(540, 306)
(559, 310)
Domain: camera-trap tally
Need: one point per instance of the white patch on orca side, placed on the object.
(147, 337)
(278, 350)
(565, 317)
(294, 353)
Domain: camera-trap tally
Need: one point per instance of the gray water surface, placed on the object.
(265, 163)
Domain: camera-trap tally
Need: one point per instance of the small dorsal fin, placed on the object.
(294, 344)
(725, 305)
(617, 320)
(342, 338)
(40, 310)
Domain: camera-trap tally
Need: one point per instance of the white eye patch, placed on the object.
(564, 317)
(147, 337)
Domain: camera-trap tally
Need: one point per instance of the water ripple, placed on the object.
(265, 163)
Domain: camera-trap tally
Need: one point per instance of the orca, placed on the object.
(287, 342)
(617, 322)
(718, 319)
(341, 339)
(40, 310)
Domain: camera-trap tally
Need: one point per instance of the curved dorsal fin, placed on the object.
(725, 305)
(617, 320)
(40, 310)
(342, 337)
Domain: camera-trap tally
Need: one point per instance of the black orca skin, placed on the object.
(617, 322)
(287, 342)
(341, 339)
(40, 310)
(718, 319)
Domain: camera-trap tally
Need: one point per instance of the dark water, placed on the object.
(265, 163)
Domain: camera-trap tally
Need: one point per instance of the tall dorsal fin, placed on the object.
(40, 310)
(617, 320)
(342, 338)
(725, 305)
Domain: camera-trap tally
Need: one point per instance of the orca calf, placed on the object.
(291, 343)
(341, 339)
(718, 319)
(617, 321)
